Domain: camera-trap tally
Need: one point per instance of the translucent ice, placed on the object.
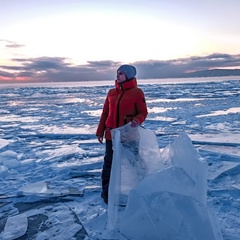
(15, 227)
(9, 159)
(4, 143)
(171, 203)
(35, 188)
(136, 155)
(182, 154)
(166, 215)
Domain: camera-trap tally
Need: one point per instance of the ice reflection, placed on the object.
(175, 100)
(221, 112)
(15, 103)
(16, 118)
(157, 110)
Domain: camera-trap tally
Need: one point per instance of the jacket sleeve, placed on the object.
(141, 108)
(101, 126)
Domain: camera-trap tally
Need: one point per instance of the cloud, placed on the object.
(183, 66)
(5, 74)
(60, 69)
(214, 60)
(11, 44)
(57, 69)
(106, 63)
(14, 45)
(43, 63)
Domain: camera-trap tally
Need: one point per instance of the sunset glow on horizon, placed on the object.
(101, 31)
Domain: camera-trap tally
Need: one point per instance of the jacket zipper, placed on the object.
(118, 115)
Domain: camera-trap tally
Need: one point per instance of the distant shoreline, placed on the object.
(92, 83)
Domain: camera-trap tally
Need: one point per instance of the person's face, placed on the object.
(121, 77)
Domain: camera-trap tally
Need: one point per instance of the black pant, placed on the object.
(106, 171)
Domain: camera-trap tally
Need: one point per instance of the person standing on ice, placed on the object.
(124, 104)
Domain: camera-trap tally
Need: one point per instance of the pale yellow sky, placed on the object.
(130, 31)
(127, 31)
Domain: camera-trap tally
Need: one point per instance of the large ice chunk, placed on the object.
(155, 212)
(35, 188)
(9, 159)
(16, 226)
(4, 142)
(171, 204)
(182, 154)
(165, 215)
(158, 196)
(136, 155)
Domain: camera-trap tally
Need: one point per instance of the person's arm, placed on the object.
(141, 108)
(101, 126)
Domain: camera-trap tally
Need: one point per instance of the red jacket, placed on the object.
(123, 104)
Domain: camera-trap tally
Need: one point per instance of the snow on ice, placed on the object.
(50, 161)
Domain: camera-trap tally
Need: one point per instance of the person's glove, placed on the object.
(134, 123)
(129, 134)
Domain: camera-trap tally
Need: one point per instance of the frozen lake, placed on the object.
(50, 160)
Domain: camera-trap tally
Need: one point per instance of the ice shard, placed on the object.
(16, 226)
(136, 155)
(158, 196)
(171, 203)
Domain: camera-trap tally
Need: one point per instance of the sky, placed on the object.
(71, 40)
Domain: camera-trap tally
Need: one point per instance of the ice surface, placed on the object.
(166, 215)
(15, 227)
(4, 143)
(35, 188)
(60, 147)
(182, 154)
(44, 190)
(161, 193)
(171, 204)
(9, 159)
(136, 155)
